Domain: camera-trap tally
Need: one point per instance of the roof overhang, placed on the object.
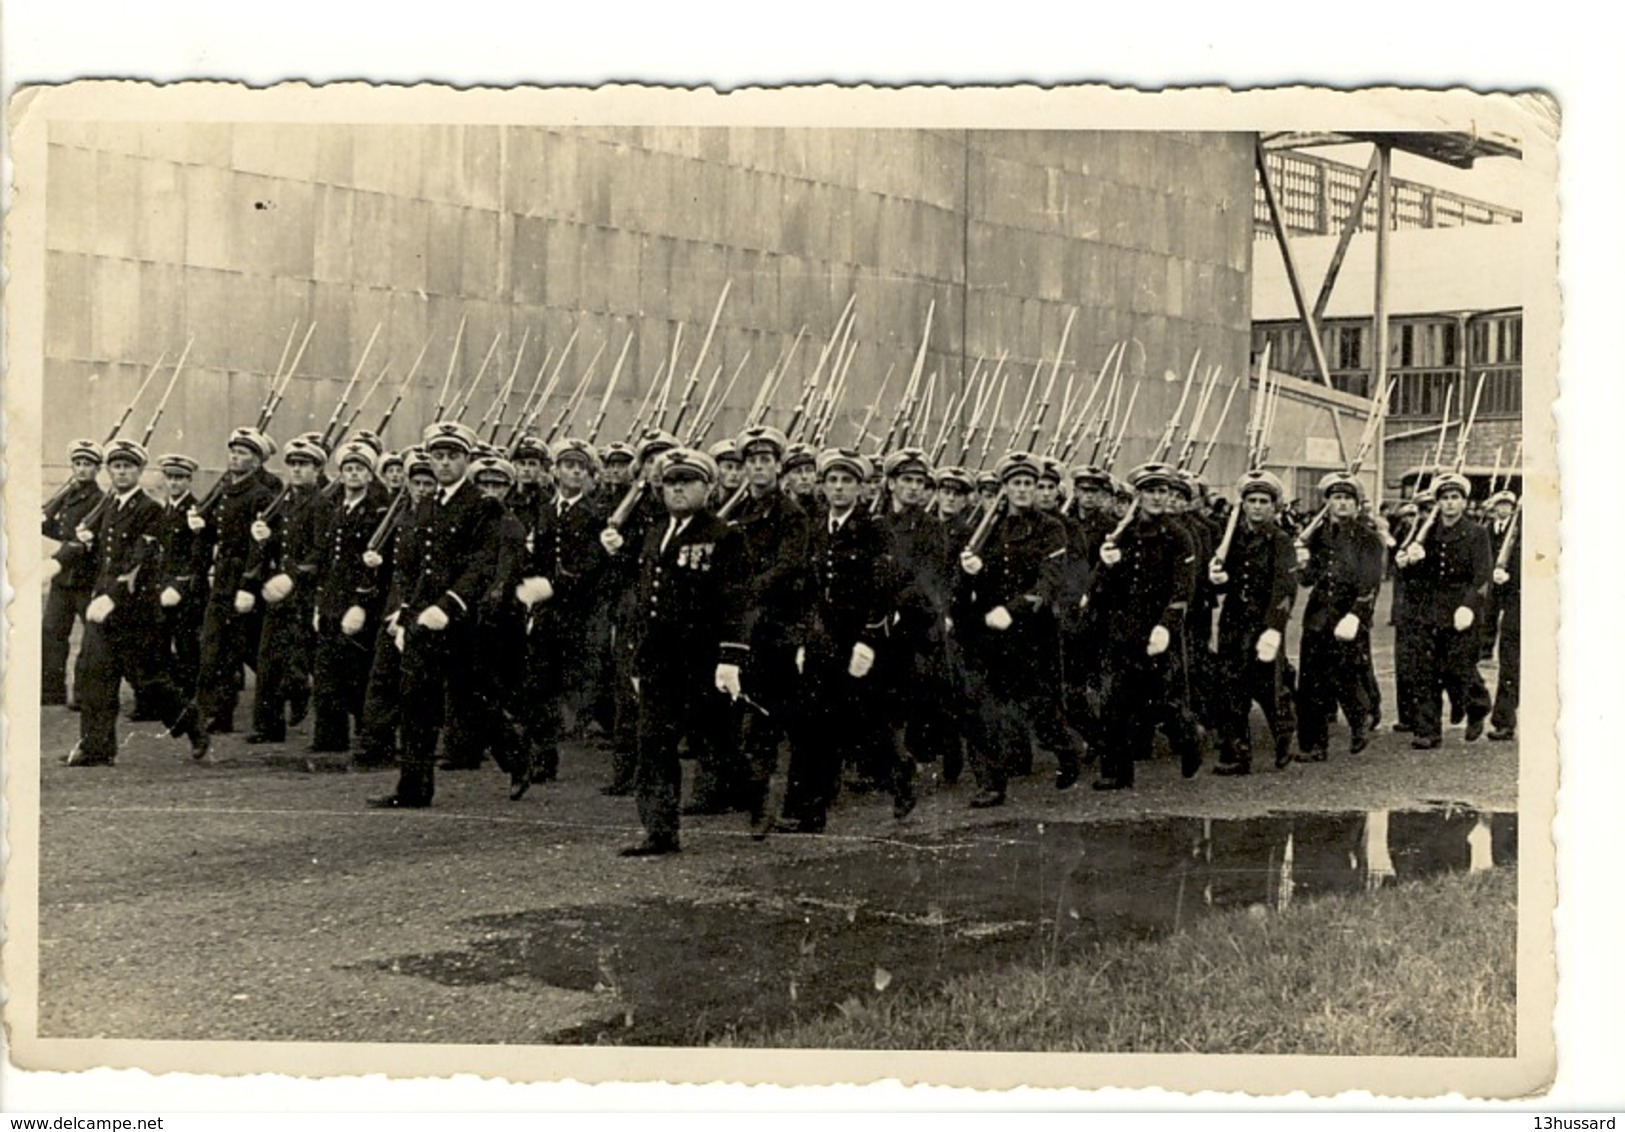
(1459, 148)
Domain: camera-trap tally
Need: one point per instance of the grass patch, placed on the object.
(1425, 969)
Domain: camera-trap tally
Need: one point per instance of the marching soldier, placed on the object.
(1080, 636)
(230, 635)
(1139, 597)
(1258, 588)
(281, 572)
(730, 467)
(182, 594)
(121, 620)
(1447, 571)
(444, 568)
(349, 601)
(691, 646)
(1005, 592)
(774, 531)
(1407, 673)
(843, 624)
(1341, 565)
(70, 588)
(1506, 579)
(798, 471)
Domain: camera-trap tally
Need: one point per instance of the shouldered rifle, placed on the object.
(1166, 443)
(505, 395)
(1116, 444)
(347, 426)
(522, 420)
(1049, 389)
(467, 397)
(1081, 418)
(389, 413)
(440, 405)
(1503, 554)
(344, 397)
(391, 519)
(273, 401)
(57, 496)
(1218, 428)
(573, 402)
(984, 527)
(609, 391)
(1467, 428)
(1187, 448)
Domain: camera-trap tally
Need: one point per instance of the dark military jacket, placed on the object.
(689, 586)
(1023, 569)
(1453, 574)
(847, 598)
(563, 547)
(344, 579)
(126, 551)
(775, 531)
(177, 548)
(295, 545)
(451, 557)
(61, 524)
(1261, 589)
(1150, 585)
(1343, 575)
(224, 545)
(1514, 557)
(918, 555)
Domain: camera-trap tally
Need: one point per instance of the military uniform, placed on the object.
(1343, 575)
(181, 623)
(281, 668)
(70, 589)
(1451, 577)
(344, 656)
(1506, 611)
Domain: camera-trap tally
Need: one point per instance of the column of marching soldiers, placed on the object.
(873, 610)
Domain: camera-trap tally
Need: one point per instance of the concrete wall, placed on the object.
(232, 233)
(1304, 440)
(1410, 453)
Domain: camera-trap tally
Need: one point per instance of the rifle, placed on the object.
(1467, 427)
(1218, 428)
(530, 399)
(440, 405)
(157, 414)
(984, 527)
(1116, 445)
(273, 401)
(1082, 415)
(911, 390)
(998, 408)
(705, 347)
(709, 413)
(506, 393)
(467, 398)
(609, 390)
(389, 413)
(1054, 372)
(573, 402)
(344, 397)
(1108, 409)
(697, 434)
(1188, 448)
(1166, 443)
(355, 414)
(809, 386)
(101, 504)
(671, 376)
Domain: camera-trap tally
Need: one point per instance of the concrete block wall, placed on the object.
(1488, 436)
(234, 233)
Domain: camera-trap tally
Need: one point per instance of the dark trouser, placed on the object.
(1331, 676)
(1408, 669)
(342, 667)
(1450, 667)
(1133, 690)
(381, 706)
(113, 653)
(230, 640)
(1015, 702)
(180, 627)
(436, 678)
(1240, 680)
(769, 681)
(1080, 658)
(1176, 716)
(281, 673)
(623, 654)
(672, 700)
(62, 606)
(1504, 715)
(495, 689)
(838, 719)
(543, 719)
(1199, 665)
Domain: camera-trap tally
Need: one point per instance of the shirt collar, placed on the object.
(449, 490)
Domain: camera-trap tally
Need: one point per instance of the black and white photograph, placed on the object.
(612, 585)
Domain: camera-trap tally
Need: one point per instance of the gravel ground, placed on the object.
(252, 899)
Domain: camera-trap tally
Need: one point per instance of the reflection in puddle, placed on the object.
(811, 935)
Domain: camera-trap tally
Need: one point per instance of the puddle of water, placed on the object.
(818, 933)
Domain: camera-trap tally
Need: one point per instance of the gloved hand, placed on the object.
(195, 521)
(970, 562)
(84, 534)
(1463, 619)
(1301, 553)
(434, 619)
(316, 621)
(99, 609)
(610, 539)
(398, 634)
(1158, 644)
(637, 686)
(277, 588)
(1501, 576)
(259, 530)
(998, 618)
(1269, 645)
(1110, 554)
(727, 680)
(353, 621)
(1348, 628)
(169, 597)
(243, 602)
(371, 559)
(1216, 574)
(863, 659)
(801, 659)
(532, 590)
(1414, 554)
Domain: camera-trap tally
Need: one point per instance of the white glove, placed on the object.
(1216, 574)
(727, 680)
(1110, 554)
(353, 621)
(84, 534)
(1301, 553)
(1501, 576)
(1463, 619)
(399, 635)
(434, 619)
(243, 602)
(1416, 553)
(1158, 644)
(610, 539)
(170, 597)
(863, 659)
(532, 590)
(1269, 645)
(316, 621)
(98, 609)
(970, 562)
(1348, 628)
(371, 559)
(998, 618)
(277, 588)
(194, 520)
(259, 530)
(801, 659)
(637, 686)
